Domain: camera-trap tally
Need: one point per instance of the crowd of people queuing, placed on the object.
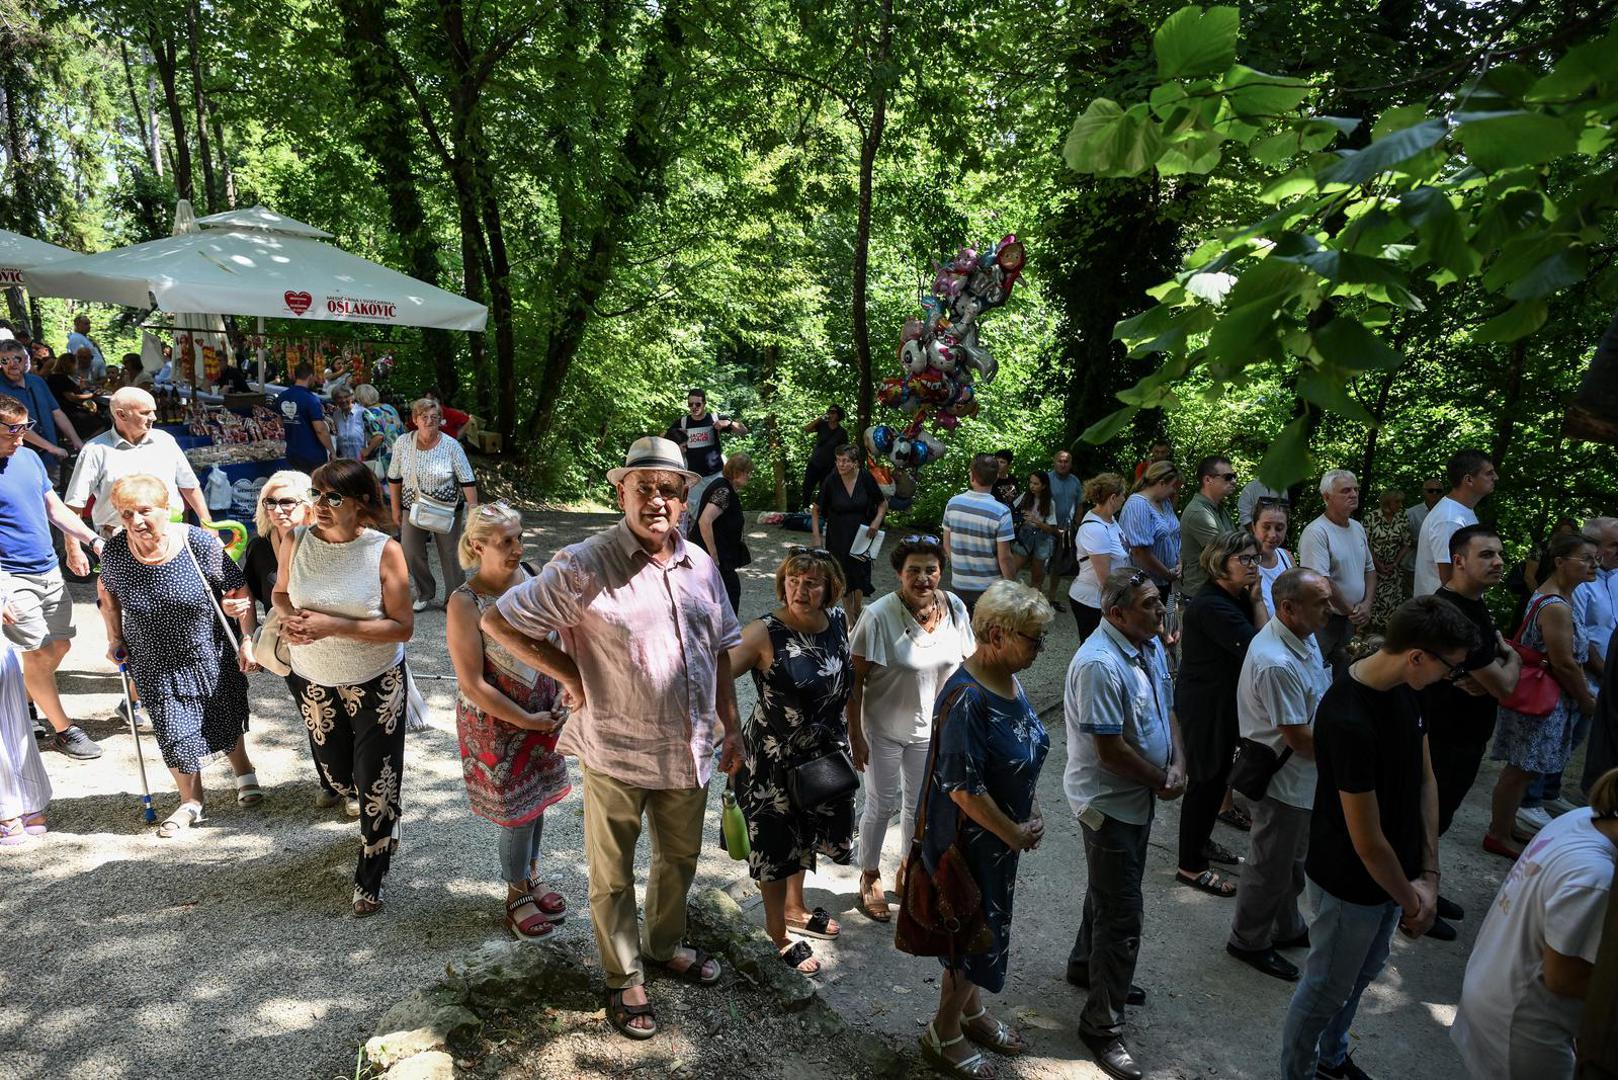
(1335, 703)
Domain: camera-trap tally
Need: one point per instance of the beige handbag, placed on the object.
(272, 654)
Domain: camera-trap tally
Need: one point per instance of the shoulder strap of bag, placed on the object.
(207, 587)
(1529, 615)
(939, 713)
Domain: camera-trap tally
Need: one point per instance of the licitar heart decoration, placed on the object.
(940, 354)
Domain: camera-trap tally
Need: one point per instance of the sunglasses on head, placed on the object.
(332, 499)
(1274, 500)
(922, 538)
(798, 549)
(498, 508)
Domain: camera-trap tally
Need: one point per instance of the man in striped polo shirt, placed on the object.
(977, 534)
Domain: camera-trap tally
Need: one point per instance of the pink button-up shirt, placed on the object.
(646, 637)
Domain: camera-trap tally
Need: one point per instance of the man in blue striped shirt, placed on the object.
(977, 534)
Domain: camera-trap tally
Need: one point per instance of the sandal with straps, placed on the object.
(796, 955)
(553, 904)
(1208, 882)
(533, 927)
(12, 832)
(873, 901)
(933, 1047)
(692, 973)
(817, 925)
(620, 1013)
(1004, 1040)
(248, 793)
(34, 824)
(188, 816)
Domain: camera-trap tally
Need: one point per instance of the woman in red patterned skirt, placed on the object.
(507, 716)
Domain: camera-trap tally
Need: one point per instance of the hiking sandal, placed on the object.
(532, 928)
(620, 1013)
(1002, 1039)
(1208, 882)
(972, 1067)
(693, 972)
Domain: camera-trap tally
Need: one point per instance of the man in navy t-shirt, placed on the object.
(38, 613)
(303, 417)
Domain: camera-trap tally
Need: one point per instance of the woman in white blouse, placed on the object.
(1101, 548)
(906, 645)
(433, 490)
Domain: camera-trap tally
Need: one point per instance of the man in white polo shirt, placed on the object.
(1471, 478)
(133, 446)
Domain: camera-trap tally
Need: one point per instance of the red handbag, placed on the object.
(1537, 691)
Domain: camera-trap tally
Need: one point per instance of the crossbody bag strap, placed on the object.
(1529, 615)
(207, 587)
(932, 757)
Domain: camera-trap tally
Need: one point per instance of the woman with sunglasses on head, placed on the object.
(980, 800)
(907, 646)
(507, 717)
(1102, 549)
(433, 489)
(344, 597)
(1269, 528)
(1531, 745)
(161, 588)
(1220, 622)
(798, 655)
(850, 504)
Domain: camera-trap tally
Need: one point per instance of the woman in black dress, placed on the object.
(719, 522)
(1218, 625)
(849, 500)
(799, 658)
(829, 434)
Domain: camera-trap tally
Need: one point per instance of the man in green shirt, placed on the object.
(1203, 519)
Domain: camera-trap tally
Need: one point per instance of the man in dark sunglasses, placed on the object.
(1204, 518)
(1432, 489)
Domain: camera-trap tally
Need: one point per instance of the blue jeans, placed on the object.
(519, 850)
(1348, 945)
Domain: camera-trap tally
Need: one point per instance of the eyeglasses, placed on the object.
(1038, 642)
(330, 498)
(1246, 560)
(18, 429)
(669, 490)
(1224, 476)
(922, 538)
(798, 549)
(290, 502)
(1432, 491)
(1456, 671)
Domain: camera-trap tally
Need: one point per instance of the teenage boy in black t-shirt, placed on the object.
(1460, 712)
(1373, 838)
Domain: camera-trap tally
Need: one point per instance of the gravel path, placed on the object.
(231, 952)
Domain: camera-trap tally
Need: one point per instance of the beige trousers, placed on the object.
(612, 821)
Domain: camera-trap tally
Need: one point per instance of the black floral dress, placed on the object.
(798, 717)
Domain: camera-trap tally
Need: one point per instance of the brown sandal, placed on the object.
(873, 901)
(1208, 882)
(620, 1013)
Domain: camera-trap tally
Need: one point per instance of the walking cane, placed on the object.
(140, 758)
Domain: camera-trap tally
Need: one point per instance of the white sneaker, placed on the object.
(1533, 819)
(1557, 807)
(420, 605)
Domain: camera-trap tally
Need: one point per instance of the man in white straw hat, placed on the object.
(643, 627)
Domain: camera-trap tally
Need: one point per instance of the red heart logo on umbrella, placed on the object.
(298, 301)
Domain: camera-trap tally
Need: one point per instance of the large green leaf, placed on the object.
(1287, 460)
(1552, 275)
(1517, 321)
(1109, 141)
(1591, 64)
(1496, 141)
(1443, 236)
(1349, 346)
(1358, 166)
(1109, 425)
(1253, 95)
(1194, 42)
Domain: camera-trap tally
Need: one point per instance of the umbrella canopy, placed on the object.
(256, 271)
(261, 217)
(18, 253)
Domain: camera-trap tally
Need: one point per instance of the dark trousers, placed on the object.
(295, 684)
(733, 589)
(1272, 877)
(1455, 767)
(970, 599)
(358, 739)
(1088, 618)
(812, 479)
(1109, 938)
(1199, 809)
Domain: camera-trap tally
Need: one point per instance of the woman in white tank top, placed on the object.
(1269, 528)
(344, 597)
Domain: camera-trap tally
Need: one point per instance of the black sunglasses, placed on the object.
(798, 549)
(922, 538)
(1274, 500)
(1432, 491)
(286, 503)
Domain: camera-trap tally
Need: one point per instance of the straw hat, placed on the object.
(655, 453)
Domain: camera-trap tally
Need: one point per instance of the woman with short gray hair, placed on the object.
(1219, 623)
(433, 489)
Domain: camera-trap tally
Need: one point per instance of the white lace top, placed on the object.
(343, 580)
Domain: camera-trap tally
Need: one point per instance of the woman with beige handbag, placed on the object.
(430, 479)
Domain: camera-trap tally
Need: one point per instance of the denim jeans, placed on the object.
(1348, 945)
(519, 849)
(1109, 938)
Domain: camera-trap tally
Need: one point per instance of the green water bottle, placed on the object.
(733, 827)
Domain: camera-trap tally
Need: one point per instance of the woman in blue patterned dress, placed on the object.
(988, 749)
(798, 655)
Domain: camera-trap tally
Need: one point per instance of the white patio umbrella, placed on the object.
(18, 253)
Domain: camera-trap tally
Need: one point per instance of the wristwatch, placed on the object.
(98, 545)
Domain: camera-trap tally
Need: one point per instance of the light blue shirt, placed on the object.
(1595, 604)
(1115, 688)
(977, 522)
(1148, 525)
(1065, 492)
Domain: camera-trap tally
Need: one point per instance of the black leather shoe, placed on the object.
(1299, 942)
(1441, 931)
(1081, 978)
(1449, 909)
(1113, 1057)
(1268, 961)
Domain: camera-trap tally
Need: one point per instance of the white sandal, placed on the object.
(248, 793)
(188, 816)
(1004, 1040)
(933, 1047)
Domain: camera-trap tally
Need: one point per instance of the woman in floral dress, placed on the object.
(508, 716)
(798, 655)
(1389, 535)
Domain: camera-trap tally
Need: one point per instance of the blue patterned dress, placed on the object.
(992, 746)
(1541, 744)
(798, 717)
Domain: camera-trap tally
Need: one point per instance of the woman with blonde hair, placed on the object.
(1523, 994)
(507, 718)
(158, 589)
(1101, 548)
(433, 490)
(383, 426)
(1150, 525)
(979, 799)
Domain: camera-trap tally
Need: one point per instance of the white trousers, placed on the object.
(893, 778)
(25, 788)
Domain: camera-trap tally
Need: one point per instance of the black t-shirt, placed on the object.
(827, 439)
(1366, 741)
(234, 381)
(62, 384)
(1454, 716)
(1006, 489)
(700, 439)
(260, 568)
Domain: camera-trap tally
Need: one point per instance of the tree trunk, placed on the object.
(1368, 459)
(642, 158)
(155, 140)
(148, 134)
(1506, 425)
(1593, 412)
(388, 137)
(227, 177)
(870, 143)
(210, 187)
(164, 58)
